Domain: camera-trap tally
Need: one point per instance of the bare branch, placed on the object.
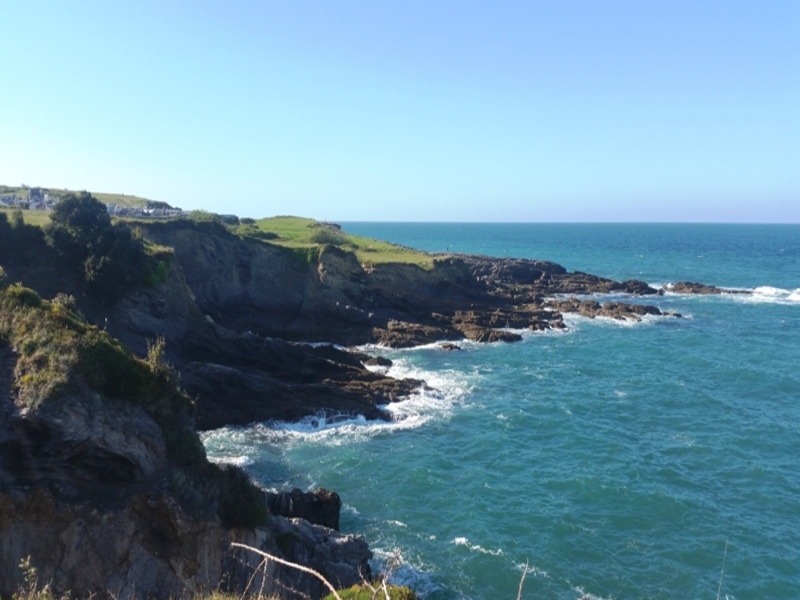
(521, 581)
(281, 561)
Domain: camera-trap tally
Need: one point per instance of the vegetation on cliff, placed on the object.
(300, 233)
(58, 355)
(89, 252)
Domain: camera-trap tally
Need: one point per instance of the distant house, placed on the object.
(36, 195)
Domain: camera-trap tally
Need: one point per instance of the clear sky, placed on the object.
(411, 110)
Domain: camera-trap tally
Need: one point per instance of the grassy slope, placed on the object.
(39, 218)
(297, 232)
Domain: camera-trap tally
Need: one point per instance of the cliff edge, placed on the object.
(105, 487)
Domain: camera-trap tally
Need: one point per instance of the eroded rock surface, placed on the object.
(232, 309)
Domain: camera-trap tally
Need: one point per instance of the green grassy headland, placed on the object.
(305, 236)
(302, 233)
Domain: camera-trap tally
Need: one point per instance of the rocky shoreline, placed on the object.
(255, 334)
(239, 315)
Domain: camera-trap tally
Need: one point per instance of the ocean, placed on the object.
(651, 460)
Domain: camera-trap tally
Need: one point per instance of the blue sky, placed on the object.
(411, 111)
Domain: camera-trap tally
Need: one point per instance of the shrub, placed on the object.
(65, 300)
(23, 295)
(157, 361)
(33, 589)
(157, 270)
(325, 234)
(106, 257)
(304, 257)
(363, 592)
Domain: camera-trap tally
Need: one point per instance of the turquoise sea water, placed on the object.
(656, 460)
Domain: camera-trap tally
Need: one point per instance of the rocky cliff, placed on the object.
(105, 486)
(238, 315)
(103, 480)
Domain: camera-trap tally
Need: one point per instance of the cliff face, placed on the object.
(149, 547)
(231, 308)
(103, 480)
(105, 486)
(146, 546)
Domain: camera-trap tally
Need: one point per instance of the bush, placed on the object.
(157, 270)
(325, 234)
(303, 258)
(23, 295)
(363, 592)
(106, 257)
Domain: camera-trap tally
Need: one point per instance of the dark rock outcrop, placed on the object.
(692, 287)
(621, 311)
(342, 559)
(320, 507)
(149, 547)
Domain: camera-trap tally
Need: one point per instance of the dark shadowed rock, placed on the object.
(691, 287)
(229, 305)
(622, 311)
(320, 507)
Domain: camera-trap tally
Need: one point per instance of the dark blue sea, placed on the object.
(655, 460)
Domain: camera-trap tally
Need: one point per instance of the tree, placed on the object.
(106, 257)
(77, 224)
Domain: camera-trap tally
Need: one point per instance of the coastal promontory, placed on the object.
(120, 339)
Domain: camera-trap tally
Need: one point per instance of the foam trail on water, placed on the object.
(462, 541)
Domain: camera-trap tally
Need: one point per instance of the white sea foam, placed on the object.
(396, 523)
(575, 321)
(775, 295)
(405, 571)
(462, 541)
(763, 294)
(350, 509)
(532, 570)
(239, 461)
(583, 595)
(446, 389)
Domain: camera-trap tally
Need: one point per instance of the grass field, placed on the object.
(298, 232)
(40, 218)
